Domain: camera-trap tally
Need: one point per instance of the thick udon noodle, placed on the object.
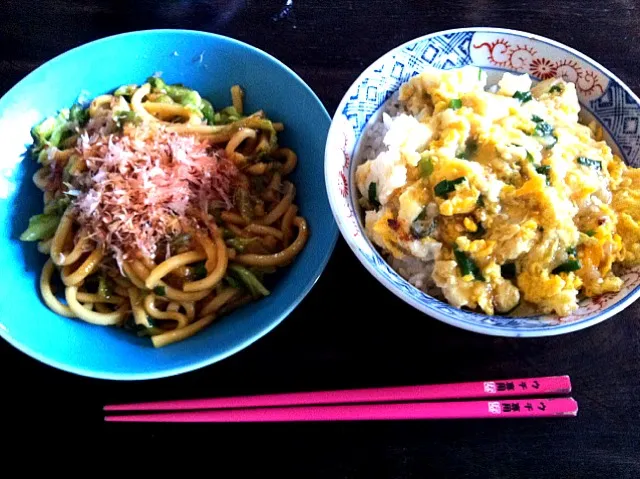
(163, 295)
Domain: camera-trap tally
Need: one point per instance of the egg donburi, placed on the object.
(501, 194)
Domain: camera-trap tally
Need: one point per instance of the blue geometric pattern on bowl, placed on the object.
(495, 50)
(445, 52)
(618, 111)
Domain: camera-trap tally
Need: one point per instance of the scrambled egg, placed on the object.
(516, 201)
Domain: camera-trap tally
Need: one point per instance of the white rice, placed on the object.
(371, 143)
(416, 271)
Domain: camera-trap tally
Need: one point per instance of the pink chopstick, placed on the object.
(553, 385)
(507, 408)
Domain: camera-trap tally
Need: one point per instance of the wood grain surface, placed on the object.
(350, 331)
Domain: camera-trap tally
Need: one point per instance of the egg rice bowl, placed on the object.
(498, 199)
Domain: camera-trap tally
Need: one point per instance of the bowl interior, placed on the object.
(602, 96)
(210, 64)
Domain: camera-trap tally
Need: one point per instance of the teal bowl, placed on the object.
(211, 64)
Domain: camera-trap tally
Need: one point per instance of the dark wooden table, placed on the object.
(324, 344)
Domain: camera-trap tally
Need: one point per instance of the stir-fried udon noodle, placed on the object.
(161, 213)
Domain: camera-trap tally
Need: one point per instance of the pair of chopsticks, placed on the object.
(511, 398)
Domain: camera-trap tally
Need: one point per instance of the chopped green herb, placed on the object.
(479, 74)
(239, 244)
(584, 161)
(590, 232)
(455, 104)
(567, 267)
(543, 129)
(159, 291)
(556, 89)
(530, 158)
(373, 194)
(544, 170)
(445, 187)
(508, 270)
(425, 166)
(104, 288)
(207, 111)
(78, 114)
(250, 281)
(523, 96)
(572, 251)
(466, 264)
(122, 117)
(200, 270)
(545, 132)
(480, 201)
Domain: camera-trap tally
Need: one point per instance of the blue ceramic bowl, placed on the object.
(602, 95)
(210, 64)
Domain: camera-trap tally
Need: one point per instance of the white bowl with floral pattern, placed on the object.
(602, 95)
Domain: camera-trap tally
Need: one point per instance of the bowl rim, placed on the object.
(332, 232)
(346, 233)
